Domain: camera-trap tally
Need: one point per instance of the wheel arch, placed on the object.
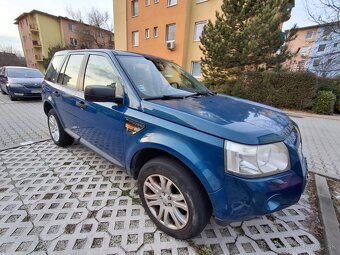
(146, 154)
(47, 107)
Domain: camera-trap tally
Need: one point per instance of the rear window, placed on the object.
(54, 68)
(24, 73)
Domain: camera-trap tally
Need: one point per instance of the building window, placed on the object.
(73, 41)
(135, 38)
(196, 69)
(172, 2)
(200, 1)
(71, 27)
(301, 65)
(316, 62)
(170, 32)
(134, 8)
(147, 2)
(155, 31)
(304, 51)
(322, 47)
(147, 33)
(198, 30)
(326, 32)
(156, 1)
(309, 35)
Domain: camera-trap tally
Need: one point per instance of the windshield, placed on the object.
(24, 73)
(159, 78)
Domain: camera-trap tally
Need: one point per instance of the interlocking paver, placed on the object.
(72, 201)
(321, 144)
(21, 122)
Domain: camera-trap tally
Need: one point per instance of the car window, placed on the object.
(156, 78)
(99, 71)
(24, 73)
(69, 76)
(54, 68)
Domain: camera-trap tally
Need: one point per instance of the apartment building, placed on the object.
(39, 31)
(316, 49)
(166, 28)
(324, 59)
(301, 47)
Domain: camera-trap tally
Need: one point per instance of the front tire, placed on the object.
(58, 135)
(11, 97)
(173, 198)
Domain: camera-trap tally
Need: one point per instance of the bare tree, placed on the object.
(324, 12)
(94, 17)
(99, 19)
(11, 56)
(74, 14)
(87, 37)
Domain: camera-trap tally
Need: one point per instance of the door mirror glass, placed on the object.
(98, 93)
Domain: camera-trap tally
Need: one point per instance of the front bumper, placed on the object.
(23, 92)
(243, 198)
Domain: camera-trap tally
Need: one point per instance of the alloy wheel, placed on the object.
(54, 128)
(166, 201)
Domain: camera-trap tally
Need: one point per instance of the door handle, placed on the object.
(81, 104)
(56, 93)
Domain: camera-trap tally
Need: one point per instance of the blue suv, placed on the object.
(194, 153)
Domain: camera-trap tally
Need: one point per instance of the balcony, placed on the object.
(38, 58)
(36, 44)
(34, 28)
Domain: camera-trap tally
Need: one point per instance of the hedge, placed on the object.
(279, 89)
(324, 102)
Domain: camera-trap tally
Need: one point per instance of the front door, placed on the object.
(102, 125)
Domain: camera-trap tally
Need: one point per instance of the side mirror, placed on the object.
(96, 93)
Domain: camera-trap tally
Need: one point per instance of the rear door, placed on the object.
(65, 89)
(102, 125)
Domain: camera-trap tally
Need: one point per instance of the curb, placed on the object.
(328, 176)
(328, 216)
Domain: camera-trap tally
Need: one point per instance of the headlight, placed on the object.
(254, 161)
(15, 85)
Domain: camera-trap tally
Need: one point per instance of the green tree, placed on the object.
(51, 52)
(245, 36)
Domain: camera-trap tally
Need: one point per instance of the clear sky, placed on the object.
(10, 9)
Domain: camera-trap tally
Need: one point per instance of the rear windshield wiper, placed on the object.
(164, 97)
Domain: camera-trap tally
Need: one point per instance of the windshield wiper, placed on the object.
(164, 97)
(201, 94)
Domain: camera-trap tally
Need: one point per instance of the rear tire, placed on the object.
(57, 133)
(173, 198)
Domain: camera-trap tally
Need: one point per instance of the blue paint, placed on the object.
(193, 130)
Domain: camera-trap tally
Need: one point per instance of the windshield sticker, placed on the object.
(141, 88)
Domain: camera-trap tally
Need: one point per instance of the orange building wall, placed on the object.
(161, 15)
(295, 46)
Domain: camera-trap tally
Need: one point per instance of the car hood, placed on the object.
(226, 117)
(25, 81)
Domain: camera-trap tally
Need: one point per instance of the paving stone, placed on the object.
(72, 201)
(21, 121)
